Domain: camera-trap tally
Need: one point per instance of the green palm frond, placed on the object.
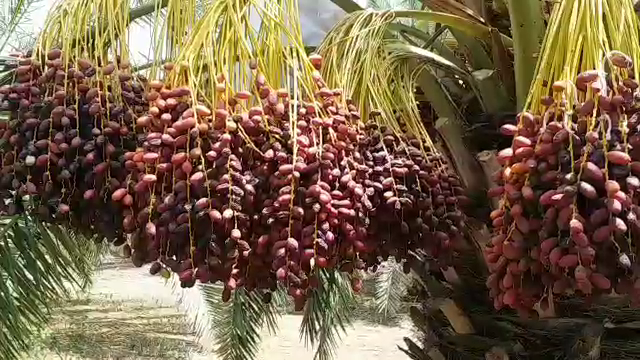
(347, 5)
(470, 27)
(89, 254)
(391, 285)
(401, 50)
(40, 266)
(6, 74)
(236, 325)
(396, 4)
(146, 12)
(426, 63)
(328, 313)
(13, 13)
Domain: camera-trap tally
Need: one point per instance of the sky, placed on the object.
(317, 17)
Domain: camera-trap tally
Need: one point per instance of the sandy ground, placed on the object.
(130, 314)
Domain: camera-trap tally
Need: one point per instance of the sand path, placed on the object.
(130, 314)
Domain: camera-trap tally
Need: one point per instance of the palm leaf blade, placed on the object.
(327, 314)
(37, 271)
(236, 326)
(404, 50)
(390, 287)
(467, 26)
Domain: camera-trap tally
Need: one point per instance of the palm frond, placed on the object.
(12, 14)
(151, 19)
(143, 9)
(327, 314)
(89, 254)
(391, 285)
(347, 5)
(40, 266)
(464, 25)
(437, 38)
(200, 306)
(236, 325)
(454, 7)
(6, 76)
(401, 50)
(395, 4)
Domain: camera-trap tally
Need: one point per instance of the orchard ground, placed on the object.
(129, 314)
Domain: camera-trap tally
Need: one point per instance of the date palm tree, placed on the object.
(458, 59)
